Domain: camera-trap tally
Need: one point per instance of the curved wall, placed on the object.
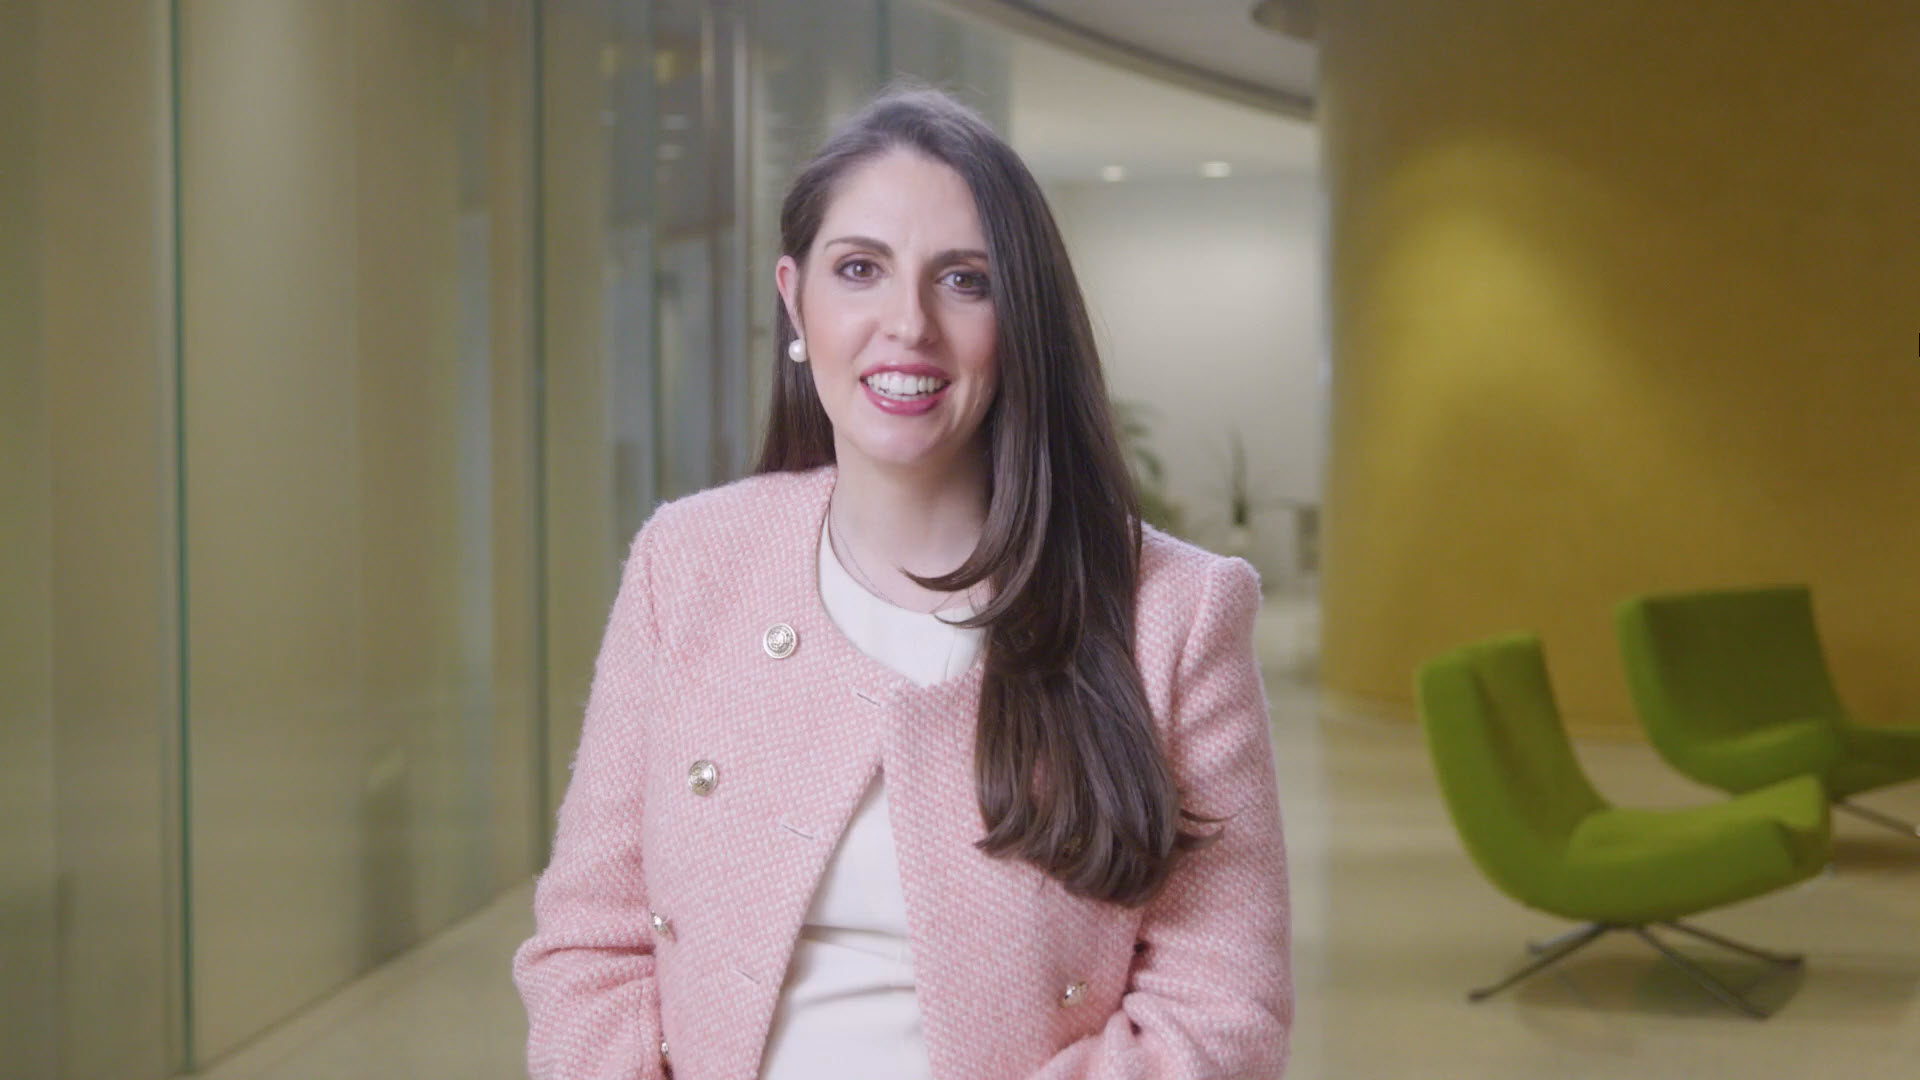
(1624, 298)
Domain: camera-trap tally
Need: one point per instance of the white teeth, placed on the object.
(895, 384)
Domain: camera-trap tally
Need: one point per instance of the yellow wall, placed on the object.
(1624, 298)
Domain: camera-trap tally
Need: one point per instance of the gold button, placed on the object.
(701, 776)
(1076, 993)
(661, 927)
(780, 641)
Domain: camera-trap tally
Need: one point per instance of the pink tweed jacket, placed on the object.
(721, 758)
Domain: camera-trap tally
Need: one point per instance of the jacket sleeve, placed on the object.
(587, 974)
(1211, 995)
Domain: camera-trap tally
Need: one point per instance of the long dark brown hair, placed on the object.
(1069, 774)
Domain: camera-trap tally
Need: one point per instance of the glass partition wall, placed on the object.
(343, 347)
(358, 514)
(90, 885)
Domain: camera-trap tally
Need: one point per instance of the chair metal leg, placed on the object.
(1556, 949)
(1711, 985)
(1783, 959)
(1535, 948)
(1878, 818)
(1567, 945)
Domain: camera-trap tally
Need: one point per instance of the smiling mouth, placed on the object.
(896, 386)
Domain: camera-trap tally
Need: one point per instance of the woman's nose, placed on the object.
(908, 321)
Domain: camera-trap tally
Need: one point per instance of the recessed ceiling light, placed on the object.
(1214, 170)
(1113, 173)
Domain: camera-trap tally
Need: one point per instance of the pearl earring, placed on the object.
(797, 350)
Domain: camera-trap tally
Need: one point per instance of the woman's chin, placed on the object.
(901, 455)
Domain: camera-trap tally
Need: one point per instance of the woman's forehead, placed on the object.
(907, 201)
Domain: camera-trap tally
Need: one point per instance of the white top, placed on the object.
(847, 1010)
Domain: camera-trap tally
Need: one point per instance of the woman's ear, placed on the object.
(786, 278)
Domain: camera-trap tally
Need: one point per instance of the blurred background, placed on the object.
(344, 345)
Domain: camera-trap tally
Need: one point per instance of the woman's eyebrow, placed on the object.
(881, 247)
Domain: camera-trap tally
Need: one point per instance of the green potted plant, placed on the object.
(1244, 503)
(1240, 499)
(1149, 472)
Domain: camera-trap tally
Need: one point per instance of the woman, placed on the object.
(914, 755)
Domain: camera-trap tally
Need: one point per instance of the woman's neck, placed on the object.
(925, 523)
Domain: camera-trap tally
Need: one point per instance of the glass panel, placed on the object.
(696, 294)
(601, 458)
(812, 65)
(972, 61)
(356, 247)
(28, 986)
(86, 628)
(646, 386)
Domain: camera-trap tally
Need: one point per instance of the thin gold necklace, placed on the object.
(840, 546)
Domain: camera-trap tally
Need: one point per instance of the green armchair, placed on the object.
(1732, 687)
(1538, 830)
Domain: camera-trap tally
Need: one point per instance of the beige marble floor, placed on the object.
(1392, 925)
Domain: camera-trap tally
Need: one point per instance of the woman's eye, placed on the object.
(969, 282)
(859, 269)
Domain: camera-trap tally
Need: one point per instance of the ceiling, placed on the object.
(1208, 45)
(1072, 116)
